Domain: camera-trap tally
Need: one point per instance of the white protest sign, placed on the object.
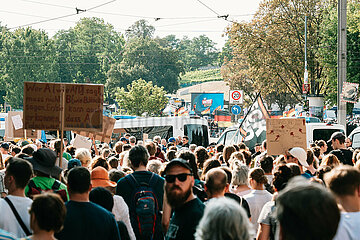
(81, 142)
(17, 122)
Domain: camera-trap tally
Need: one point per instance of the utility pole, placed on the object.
(341, 55)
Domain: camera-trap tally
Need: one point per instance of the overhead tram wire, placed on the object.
(65, 16)
(30, 15)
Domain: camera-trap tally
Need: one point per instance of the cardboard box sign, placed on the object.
(11, 132)
(83, 106)
(283, 134)
(105, 134)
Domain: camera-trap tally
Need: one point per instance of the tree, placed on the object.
(142, 97)
(140, 29)
(26, 55)
(272, 44)
(146, 59)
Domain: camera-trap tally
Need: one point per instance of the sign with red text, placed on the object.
(83, 106)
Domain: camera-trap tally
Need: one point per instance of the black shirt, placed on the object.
(241, 201)
(344, 156)
(185, 220)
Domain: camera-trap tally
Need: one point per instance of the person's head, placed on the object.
(309, 157)
(138, 156)
(84, 156)
(105, 153)
(223, 219)
(190, 158)
(228, 150)
(151, 148)
(344, 181)
(297, 155)
(316, 150)
(257, 147)
(219, 148)
(267, 163)
(17, 174)
(257, 178)
(263, 146)
(118, 147)
(179, 181)
(236, 147)
(100, 178)
(79, 181)
(247, 157)
(201, 155)
(282, 175)
(185, 140)
(240, 174)
(236, 156)
(99, 162)
(115, 175)
(57, 145)
(154, 166)
(348, 142)
(337, 140)
(320, 172)
(28, 149)
(113, 162)
(330, 160)
(209, 164)
(295, 169)
(192, 147)
(43, 161)
(4, 148)
(15, 150)
(318, 216)
(157, 139)
(170, 155)
(102, 197)
(132, 140)
(47, 213)
(126, 147)
(322, 145)
(242, 146)
(215, 182)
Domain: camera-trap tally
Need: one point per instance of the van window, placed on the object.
(198, 134)
(356, 140)
(229, 137)
(162, 131)
(324, 134)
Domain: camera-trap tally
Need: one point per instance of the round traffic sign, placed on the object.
(236, 95)
(236, 109)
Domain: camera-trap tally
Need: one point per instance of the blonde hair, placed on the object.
(83, 155)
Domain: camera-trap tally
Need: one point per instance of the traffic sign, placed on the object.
(236, 97)
(236, 109)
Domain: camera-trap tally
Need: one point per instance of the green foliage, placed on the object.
(146, 59)
(194, 77)
(140, 29)
(142, 97)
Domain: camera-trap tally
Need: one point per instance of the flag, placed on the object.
(178, 111)
(184, 113)
(206, 111)
(218, 108)
(253, 127)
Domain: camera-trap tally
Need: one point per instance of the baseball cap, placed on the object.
(300, 154)
(336, 135)
(74, 163)
(178, 162)
(100, 178)
(5, 146)
(172, 139)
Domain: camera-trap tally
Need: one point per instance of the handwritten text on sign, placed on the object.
(83, 106)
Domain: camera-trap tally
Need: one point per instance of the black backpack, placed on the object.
(144, 207)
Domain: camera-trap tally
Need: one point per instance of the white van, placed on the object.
(314, 131)
(355, 138)
(195, 128)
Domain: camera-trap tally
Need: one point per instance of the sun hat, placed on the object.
(300, 154)
(100, 178)
(43, 160)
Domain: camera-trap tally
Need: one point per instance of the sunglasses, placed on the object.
(182, 177)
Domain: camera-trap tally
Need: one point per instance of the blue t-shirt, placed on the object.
(88, 221)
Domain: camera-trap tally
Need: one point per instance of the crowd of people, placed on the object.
(171, 189)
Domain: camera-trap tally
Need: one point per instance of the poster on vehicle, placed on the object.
(349, 92)
(206, 101)
(236, 97)
(283, 134)
(83, 105)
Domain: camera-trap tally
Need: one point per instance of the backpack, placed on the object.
(144, 208)
(34, 190)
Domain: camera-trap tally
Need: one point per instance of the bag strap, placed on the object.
(133, 180)
(18, 218)
(56, 185)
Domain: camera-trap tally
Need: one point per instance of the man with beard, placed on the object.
(188, 209)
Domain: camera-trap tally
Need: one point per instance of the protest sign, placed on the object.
(283, 134)
(83, 106)
(105, 134)
(81, 142)
(13, 128)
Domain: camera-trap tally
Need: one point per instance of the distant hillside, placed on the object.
(196, 77)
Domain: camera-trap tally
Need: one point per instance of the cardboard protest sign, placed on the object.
(105, 134)
(283, 134)
(13, 121)
(81, 142)
(43, 106)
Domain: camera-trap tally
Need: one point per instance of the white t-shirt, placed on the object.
(256, 200)
(348, 226)
(8, 220)
(121, 213)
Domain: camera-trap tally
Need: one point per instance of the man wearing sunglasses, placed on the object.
(188, 209)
